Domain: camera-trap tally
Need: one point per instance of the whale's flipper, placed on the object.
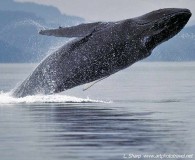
(81, 30)
(89, 85)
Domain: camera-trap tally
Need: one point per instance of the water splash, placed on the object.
(6, 98)
(34, 41)
(26, 22)
(31, 22)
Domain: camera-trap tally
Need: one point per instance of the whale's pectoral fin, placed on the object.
(89, 85)
(81, 30)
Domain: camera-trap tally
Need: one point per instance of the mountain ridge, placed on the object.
(19, 30)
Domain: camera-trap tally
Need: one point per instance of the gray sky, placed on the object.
(111, 10)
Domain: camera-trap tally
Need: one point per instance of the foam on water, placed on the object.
(6, 98)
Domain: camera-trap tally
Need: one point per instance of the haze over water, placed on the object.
(145, 109)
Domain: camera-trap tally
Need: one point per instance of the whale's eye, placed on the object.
(146, 40)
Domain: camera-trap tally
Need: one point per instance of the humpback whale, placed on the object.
(101, 49)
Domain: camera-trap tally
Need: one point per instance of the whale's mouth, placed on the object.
(165, 28)
(169, 26)
(161, 15)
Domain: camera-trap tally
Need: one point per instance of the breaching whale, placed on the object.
(100, 50)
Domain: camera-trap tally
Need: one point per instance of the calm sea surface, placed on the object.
(148, 108)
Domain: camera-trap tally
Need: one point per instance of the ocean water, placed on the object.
(147, 109)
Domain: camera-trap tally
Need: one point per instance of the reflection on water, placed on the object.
(96, 130)
(85, 131)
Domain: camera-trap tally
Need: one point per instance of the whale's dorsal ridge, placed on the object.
(80, 30)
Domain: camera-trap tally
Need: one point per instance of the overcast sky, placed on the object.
(111, 10)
